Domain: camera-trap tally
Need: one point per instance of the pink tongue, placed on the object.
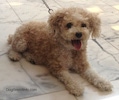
(76, 44)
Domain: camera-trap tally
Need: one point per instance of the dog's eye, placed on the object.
(69, 25)
(83, 25)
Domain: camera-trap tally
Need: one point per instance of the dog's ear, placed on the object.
(95, 25)
(55, 20)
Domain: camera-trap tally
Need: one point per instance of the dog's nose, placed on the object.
(78, 34)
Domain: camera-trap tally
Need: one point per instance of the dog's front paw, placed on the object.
(14, 56)
(104, 85)
(75, 89)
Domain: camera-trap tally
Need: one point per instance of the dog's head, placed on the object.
(73, 27)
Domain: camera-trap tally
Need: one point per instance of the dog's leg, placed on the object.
(19, 44)
(70, 83)
(82, 67)
(29, 57)
(97, 81)
(13, 55)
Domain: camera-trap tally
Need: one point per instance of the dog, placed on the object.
(60, 44)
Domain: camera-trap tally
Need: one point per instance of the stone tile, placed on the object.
(3, 2)
(14, 82)
(27, 11)
(108, 48)
(105, 63)
(91, 2)
(106, 30)
(109, 18)
(6, 29)
(95, 9)
(116, 6)
(100, 52)
(92, 93)
(111, 2)
(7, 14)
(41, 76)
(115, 27)
(16, 3)
(77, 3)
(107, 68)
(96, 52)
(117, 56)
(63, 95)
(108, 9)
(114, 40)
(8, 23)
(112, 98)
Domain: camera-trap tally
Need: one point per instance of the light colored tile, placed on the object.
(8, 23)
(111, 2)
(103, 60)
(95, 9)
(107, 46)
(7, 14)
(16, 3)
(63, 95)
(108, 18)
(117, 56)
(106, 30)
(28, 10)
(14, 82)
(95, 53)
(108, 9)
(41, 76)
(92, 93)
(25, 1)
(6, 29)
(107, 68)
(3, 1)
(116, 6)
(111, 98)
(114, 40)
(83, 2)
(115, 27)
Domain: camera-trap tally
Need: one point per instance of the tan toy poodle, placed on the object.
(60, 45)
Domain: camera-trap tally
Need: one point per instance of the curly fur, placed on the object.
(51, 44)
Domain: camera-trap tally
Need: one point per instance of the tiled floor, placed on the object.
(24, 81)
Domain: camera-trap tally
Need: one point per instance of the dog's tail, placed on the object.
(10, 39)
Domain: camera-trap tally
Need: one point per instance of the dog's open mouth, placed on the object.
(76, 44)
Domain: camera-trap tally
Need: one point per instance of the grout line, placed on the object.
(3, 54)
(29, 76)
(29, 97)
(10, 22)
(94, 40)
(112, 44)
(36, 84)
(14, 11)
(57, 3)
(44, 94)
